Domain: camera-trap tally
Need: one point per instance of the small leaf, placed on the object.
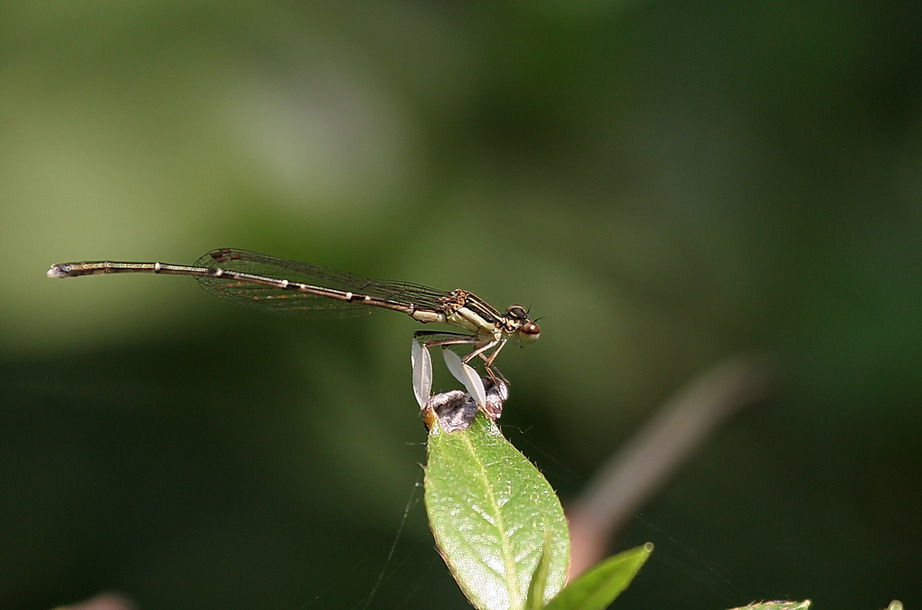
(490, 511)
(601, 584)
(421, 362)
(466, 375)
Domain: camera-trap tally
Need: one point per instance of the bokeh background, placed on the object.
(665, 183)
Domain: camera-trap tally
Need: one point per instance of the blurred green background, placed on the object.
(664, 183)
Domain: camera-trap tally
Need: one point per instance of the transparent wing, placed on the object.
(272, 297)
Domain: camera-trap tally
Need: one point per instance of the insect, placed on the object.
(280, 285)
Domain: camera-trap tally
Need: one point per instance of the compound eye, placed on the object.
(529, 332)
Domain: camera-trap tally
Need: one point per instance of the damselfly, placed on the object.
(279, 285)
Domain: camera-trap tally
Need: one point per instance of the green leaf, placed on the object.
(601, 584)
(537, 588)
(491, 511)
